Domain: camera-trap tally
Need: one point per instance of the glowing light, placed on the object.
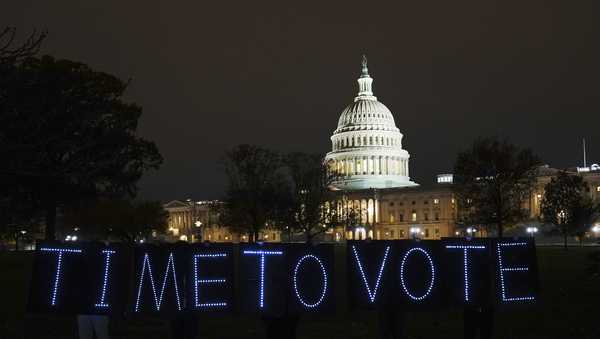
(465, 249)
(532, 230)
(261, 287)
(102, 302)
(59, 260)
(157, 298)
(206, 281)
(295, 278)
(432, 270)
(415, 232)
(372, 294)
(471, 230)
(503, 269)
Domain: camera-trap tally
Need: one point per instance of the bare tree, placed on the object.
(492, 180)
(11, 52)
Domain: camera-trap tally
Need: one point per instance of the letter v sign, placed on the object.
(372, 293)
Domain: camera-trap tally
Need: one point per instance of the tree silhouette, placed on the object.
(123, 219)
(66, 134)
(310, 211)
(491, 182)
(563, 204)
(11, 52)
(257, 191)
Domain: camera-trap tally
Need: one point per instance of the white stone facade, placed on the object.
(367, 146)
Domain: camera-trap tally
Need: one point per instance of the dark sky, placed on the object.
(213, 74)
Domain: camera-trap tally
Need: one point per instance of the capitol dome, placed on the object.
(366, 145)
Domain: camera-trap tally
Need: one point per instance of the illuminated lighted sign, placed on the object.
(158, 280)
(276, 278)
(467, 264)
(368, 264)
(210, 281)
(311, 278)
(516, 271)
(263, 280)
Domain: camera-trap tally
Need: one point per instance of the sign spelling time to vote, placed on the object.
(279, 278)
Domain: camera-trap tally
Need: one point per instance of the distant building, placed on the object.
(591, 176)
(195, 221)
(372, 175)
(372, 184)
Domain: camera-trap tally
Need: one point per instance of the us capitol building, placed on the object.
(371, 182)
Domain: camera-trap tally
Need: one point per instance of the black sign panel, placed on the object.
(369, 265)
(159, 277)
(210, 277)
(263, 278)
(274, 279)
(58, 283)
(516, 272)
(467, 270)
(311, 277)
(106, 278)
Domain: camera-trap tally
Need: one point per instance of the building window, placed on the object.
(426, 232)
(437, 232)
(401, 203)
(426, 215)
(598, 189)
(425, 202)
(391, 217)
(414, 202)
(436, 201)
(414, 215)
(391, 203)
(401, 217)
(437, 216)
(392, 233)
(401, 233)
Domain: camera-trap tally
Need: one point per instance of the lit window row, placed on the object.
(365, 141)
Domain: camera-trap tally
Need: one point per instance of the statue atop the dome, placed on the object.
(364, 73)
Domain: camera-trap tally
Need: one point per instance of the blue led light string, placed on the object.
(102, 302)
(59, 260)
(158, 299)
(465, 249)
(206, 281)
(371, 294)
(503, 269)
(432, 270)
(295, 279)
(261, 284)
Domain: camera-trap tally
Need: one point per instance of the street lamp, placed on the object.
(415, 232)
(532, 231)
(596, 230)
(471, 231)
(71, 238)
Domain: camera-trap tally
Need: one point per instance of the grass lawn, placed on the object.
(569, 308)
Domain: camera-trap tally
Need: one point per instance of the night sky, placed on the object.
(214, 74)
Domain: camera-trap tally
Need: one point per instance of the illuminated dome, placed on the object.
(367, 146)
